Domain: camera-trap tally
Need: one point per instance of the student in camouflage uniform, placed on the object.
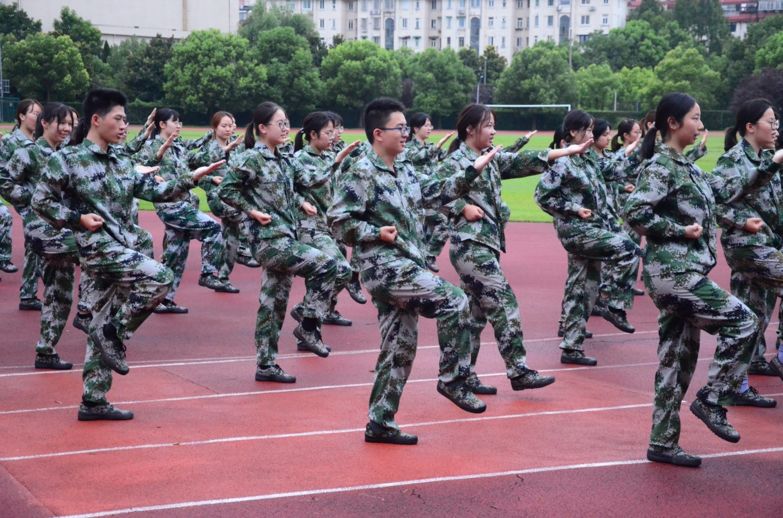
(477, 229)
(425, 157)
(89, 188)
(673, 206)
(234, 222)
(181, 216)
(749, 195)
(573, 191)
(313, 169)
(27, 113)
(260, 183)
(56, 248)
(377, 207)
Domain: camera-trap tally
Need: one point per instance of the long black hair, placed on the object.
(52, 112)
(675, 106)
(416, 121)
(261, 115)
(23, 107)
(163, 115)
(575, 120)
(749, 112)
(599, 127)
(625, 127)
(471, 116)
(98, 101)
(313, 122)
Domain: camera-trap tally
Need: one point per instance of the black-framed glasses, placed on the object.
(404, 130)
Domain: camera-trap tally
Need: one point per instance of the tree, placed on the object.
(46, 67)
(442, 84)
(635, 45)
(15, 22)
(684, 69)
(292, 79)
(635, 87)
(493, 63)
(770, 55)
(596, 86)
(87, 39)
(705, 21)
(145, 74)
(538, 75)
(209, 71)
(263, 18)
(470, 58)
(117, 62)
(358, 71)
(768, 84)
(406, 59)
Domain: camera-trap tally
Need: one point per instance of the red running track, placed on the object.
(208, 440)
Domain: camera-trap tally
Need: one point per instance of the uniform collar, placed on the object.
(378, 162)
(670, 153)
(44, 144)
(96, 149)
(750, 152)
(265, 151)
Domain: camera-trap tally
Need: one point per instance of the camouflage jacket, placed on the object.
(10, 142)
(747, 185)
(260, 179)
(696, 152)
(571, 183)
(286, 150)
(370, 195)
(207, 154)
(173, 165)
(424, 157)
(13, 185)
(627, 171)
(84, 179)
(25, 171)
(312, 172)
(671, 194)
(485, 193)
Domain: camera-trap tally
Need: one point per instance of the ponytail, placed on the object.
(80, 133)
(250, 138)
(730, 140)
(455, 144)
(299, 140)
(648, 144)
(749, 112)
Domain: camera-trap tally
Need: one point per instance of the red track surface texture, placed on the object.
(208, 440)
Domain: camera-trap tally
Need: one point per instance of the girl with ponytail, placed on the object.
(261, 184)
(674, 207)
(573, 191)
(749, 195)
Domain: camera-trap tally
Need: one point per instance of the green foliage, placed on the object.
(145, 74)
(358, 71)
(684, 69)
(15, 22)
(209, 71)
(263, 18)
(539, 75)
(596, 87)
(46, 67)
(637, 83)
(770, 55)
(637, 44)
(705, 21)
(86, 37)
(441, 83)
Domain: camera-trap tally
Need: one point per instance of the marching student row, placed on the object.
(395, 199)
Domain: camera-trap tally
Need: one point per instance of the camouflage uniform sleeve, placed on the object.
(230, 190)
(12, 178)
(200, 157)
(47, 200)
(347, 214)
(731, 183)
(199, 142)
(653, 186)
(519, 144)
(146, 187)
(550, 194)
(696, 152)
(446, 169)
(135, 145)
(437, 191)
(146, 155)
(520, 165)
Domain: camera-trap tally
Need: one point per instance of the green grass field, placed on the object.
(518, 194)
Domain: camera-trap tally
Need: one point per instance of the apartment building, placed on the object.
(508, 25)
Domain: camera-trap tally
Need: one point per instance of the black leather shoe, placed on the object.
(248, 261)
(674, 456)
(377, 434)
(30, 305)
(714, 416)
(458, 393)
(211, 282)
(750, 397)
(474, 384)
(311, 341)
(618, 319)
(8, 267)
(274, 373)
(226, 287)
(111, 347)
(51, 362)
(777, 365)
(169, 306)
(762, 368)
(336, 319)
(103, 413)
(531, 379)
(577, 358)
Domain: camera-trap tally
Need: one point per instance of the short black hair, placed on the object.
(98, 101)
(377, 113)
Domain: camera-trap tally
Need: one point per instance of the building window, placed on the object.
(376, 24)
(475, 3)
(520, 4)
(583, 38)
(376, 40)
(388, 5)
(350, 6)
(491, 22)
(520, 23)
(364, 25)
(417, 42)
(321, 4)
(418, 24)
(434, 6)
(307, 5)
(585, 2)
(535, 21)
(550, 21)
(491, 3)
(405, 5)
(364, 6)
(462, 4)
(448, 22)
(321, 23)
(502, 42)
(461, 41)
(433, 23)
(350, 24)
(334, 24)
(404, 43)
(585, 19)
(490, 40)
(605, 20)
(461, 22)
(503, 22)
(434, 44)
(448, 41)
(550, 3)
(404, 23)
(418, 5)
(519, 43)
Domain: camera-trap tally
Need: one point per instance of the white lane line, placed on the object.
(399, 483)
(316, 433)
(315, 388)
(154, 364)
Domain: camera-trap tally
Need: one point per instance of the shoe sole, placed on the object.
(464, 407)
(696, 410)
(341, 323)
(64, 367)
(89, 417)
(275, 379)
(485, 391)
(579, 361)
(666, 459)
(302, 346)
(771, 404)
(391, 440)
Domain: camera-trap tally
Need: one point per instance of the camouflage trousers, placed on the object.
(401, 291)
(588, 278)
(491, 299)
(436, 232)
(58, 279)
(235, 228)
(324, 242)
(185, 222)
(688, 303)
(6, 223)
(757, 280)
(282, 258)
(127, 285)
(31, 268)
